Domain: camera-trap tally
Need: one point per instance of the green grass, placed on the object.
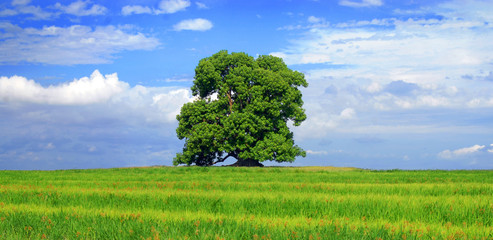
(246, 203)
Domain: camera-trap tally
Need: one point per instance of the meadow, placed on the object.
(245, 203)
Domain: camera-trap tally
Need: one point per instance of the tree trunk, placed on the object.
(247, 163)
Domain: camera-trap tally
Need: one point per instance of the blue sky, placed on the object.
(392, 84)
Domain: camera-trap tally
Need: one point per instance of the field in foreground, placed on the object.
(245, 203)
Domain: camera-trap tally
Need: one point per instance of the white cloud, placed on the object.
(362, 3)
(313, 22)
(468, 150)
(201, 5)
(178, 80)
(69, 45)
(308, 58)
(20, 2)
(406, 49)
(113, 98)
(313, 19)
(474, 9)
(314, 58)
(172, 6)
(311, 152)
(36, 12)
(426, 44)
(165, 7)
(322, 121)
(81, 8)
(96, 121)
(87, 90)
(167, 102)
(374, 87)
(8, 13)
(448, 154)
(427, 56)
(198, 24)
(150, 105)
(135, 9)
(49, 146)
(22, 7)
(347, 113)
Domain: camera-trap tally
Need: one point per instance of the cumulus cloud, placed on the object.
(164, 7)
(448, 154)
(401, 88)
(69, 45)
(198, 24)
(94, 121)
(362, 3)
(22, 7)
(106, 96)
(374, 87)
(347, 113)
(135, 9)
(166, 103)
(82, 8)
(322, 121)
(172, 6)
(77, 8)
(87, 90)
(370, 93)
(468, 150)
(413, 50)
(401, 75)
(150, 105)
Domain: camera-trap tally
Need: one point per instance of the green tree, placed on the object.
(242, 110)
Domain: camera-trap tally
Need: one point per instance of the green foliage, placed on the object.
(248, 121)
(245, 203)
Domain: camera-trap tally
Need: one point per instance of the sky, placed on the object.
(393, 84)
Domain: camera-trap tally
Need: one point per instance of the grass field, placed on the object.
(245, 203)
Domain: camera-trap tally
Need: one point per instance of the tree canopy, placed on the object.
(242, 109)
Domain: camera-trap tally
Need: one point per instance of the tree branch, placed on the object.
(230, 101)
(223, 159)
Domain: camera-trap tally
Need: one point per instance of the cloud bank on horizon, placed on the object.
(391, 85)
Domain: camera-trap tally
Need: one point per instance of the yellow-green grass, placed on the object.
(246, 203)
